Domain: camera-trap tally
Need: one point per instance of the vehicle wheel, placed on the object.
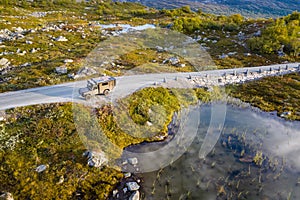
(88, 97)
(106, 92)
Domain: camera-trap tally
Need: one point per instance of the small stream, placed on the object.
(256, 157)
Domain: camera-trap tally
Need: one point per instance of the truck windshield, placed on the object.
(90, 85)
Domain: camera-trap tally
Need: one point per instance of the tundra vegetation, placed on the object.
(45, 134)
(280, 94)
(232, 41)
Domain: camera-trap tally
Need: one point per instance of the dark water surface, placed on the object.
(256, 157)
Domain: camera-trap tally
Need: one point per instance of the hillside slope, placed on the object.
(252, 8)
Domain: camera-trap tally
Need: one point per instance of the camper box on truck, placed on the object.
(98, 86)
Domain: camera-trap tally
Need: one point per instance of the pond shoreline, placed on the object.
(233, 103)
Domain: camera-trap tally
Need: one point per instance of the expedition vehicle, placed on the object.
(98, 86)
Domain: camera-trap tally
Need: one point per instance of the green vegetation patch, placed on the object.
(47, 136)
(143, 116)
(279, 93)
(282, 35)
(145, 59)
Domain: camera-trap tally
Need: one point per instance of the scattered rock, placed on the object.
(43, 14)
(241, 35)
(115, 192)
(285, 114)
(96, 159)
(149, 123)
(26, 65)
(33, 50)
(127, 175)
(61, 39)
(7, 35)
(2, 116)
(281, 53)
(135, 196)
(29, 42)
(86, 71)
(41, 168)
(159, 49)
(61, 70)
(68, 61)
(172, 60)
(258, 33)
(232, 53)
(132, 186)
(6, 196)
(125, 162)
(19, 30)
(61, 180)
(4, 62)
(223, 56)
(22, 53)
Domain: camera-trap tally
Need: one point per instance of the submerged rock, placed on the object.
(115, 192)
(132, 186)
(135, 196)
(127, 175)
(133, 161)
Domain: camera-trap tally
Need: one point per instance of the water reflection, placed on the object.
(256, 157)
